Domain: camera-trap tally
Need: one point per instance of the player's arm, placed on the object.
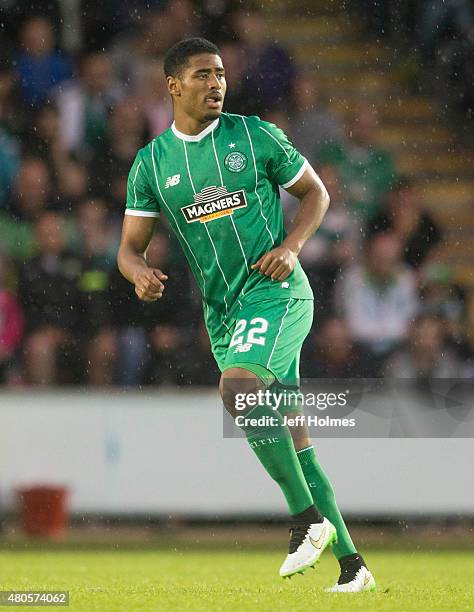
(314, 201)
(131, 258)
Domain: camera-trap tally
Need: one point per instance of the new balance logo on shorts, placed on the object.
(171, 181)
(243, 348)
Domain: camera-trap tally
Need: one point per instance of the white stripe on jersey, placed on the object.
(278, 143)
(178, 228)
(230, 216)
(217, 160)
(238, 238)
(187, 165)
(297, 176)
(141, 213)
(278, 335)
(205, 226)
(256, 178)
(134, 187)
(219, 265)
(300, 172)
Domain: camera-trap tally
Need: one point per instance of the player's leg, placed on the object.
(320, 487)
(354, 575)
(266, 339)
(271, 441)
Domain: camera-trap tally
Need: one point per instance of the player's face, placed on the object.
(200, 89)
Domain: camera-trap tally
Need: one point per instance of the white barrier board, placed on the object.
(163, 452)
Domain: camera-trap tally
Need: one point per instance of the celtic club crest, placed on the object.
(235, 161)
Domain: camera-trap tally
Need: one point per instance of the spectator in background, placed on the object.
(32, 195)
(312, 126)
(14, 15)
(269, 71)
(133, 50)
(233, 59)
(182, 19)
(331, 353)
(43, 141)
(333, 247)
(33, 189)
(366, 170)
(130, 321)
(11, 322)
(11, 123)
(50, 297)
(414, 226)
(98, 237)
(443, 298)
(39, 67)
(163, 326)
(136, 47)
(85, 103)
(378, 298)
(73, 185)
(9, 164)
(30, 198)
(166, 341)
(169, 324)
(280, 119)
(96, 316)
(426, 355)
(153, 97)
(106, 23)
(112, 160)
(12, 112)
(197, 364)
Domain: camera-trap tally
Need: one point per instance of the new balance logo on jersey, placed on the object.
(171, 181)
(212, 203)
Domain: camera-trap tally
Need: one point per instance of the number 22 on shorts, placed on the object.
(255, 333)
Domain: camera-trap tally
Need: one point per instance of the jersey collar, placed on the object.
(196, 137)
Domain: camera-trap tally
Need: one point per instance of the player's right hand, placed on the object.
(149, 284)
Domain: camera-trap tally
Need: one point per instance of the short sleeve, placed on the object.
(141, 200)
(285, 164)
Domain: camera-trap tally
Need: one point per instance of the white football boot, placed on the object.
(307, 543)
(362, 580)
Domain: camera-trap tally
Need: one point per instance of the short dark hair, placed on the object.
(177, 56)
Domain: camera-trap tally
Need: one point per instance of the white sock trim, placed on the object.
(304, 449)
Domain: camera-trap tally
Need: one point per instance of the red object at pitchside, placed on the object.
(44, 510)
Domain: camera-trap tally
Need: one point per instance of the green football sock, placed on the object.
(323, 496)
(271, 442)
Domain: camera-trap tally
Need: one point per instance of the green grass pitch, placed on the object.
(243, 580)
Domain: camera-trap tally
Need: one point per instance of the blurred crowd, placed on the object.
(80, 93)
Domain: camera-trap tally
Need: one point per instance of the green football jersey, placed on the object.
(219, 191)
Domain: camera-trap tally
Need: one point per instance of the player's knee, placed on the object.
(236, 383)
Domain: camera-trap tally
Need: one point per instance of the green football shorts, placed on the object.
(265, 338)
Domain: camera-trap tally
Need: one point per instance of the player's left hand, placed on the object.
(278, 263)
